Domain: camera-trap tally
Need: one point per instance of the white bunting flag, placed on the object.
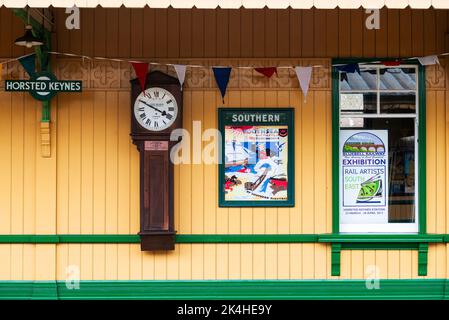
(181, 73)
(429, 60)
(304, 74)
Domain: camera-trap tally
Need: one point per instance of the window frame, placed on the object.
(421, 144)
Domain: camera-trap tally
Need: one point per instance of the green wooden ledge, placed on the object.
(338, 242)
(180, 238)
(422, 289)
(357, 241)
(383, 238)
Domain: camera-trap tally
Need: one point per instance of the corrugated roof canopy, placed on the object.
(233, 4)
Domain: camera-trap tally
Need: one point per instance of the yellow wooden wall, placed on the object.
(90, 184)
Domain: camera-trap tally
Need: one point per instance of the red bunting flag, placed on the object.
(141, 69)
(267, 72)
(391, 63)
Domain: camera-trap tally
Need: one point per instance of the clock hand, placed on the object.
(162, 112)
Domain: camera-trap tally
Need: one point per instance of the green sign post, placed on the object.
(43, 86)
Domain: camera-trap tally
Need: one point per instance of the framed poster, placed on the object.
(364, 176)
(256, 157)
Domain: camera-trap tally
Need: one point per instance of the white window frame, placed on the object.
(388, 227)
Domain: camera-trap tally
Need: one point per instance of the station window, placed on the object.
(378, 149)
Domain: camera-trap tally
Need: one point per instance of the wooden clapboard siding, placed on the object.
(224, 33)
(195, 33)
(78, 132)
(95, 155)
(97, 170)
(91, 183)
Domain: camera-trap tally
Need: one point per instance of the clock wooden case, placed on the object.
(155, 113)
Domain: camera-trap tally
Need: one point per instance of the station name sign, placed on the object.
(43, 86)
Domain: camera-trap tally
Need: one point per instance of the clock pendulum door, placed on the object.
(157, 231)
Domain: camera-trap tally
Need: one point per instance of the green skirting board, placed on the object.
(419, 289)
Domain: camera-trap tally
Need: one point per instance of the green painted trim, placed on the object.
(422, 259)
(422, 156)
(368, 240)
(29, 290)
(290, 202)
(181, 238)
(383, 238)
(70, 238)
(421, 139)
(413, 289)
(335, 153)
(335, 259)
(379, 246)
(247, 238)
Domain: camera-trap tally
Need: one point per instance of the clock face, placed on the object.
(155, 109)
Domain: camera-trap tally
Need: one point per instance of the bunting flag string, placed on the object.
(29, 64)
(267, 71)
(222, 75)
(141, 70)
(429, 60)
(304, 74)
(180, 72)
(349, 68)
(172, 64)
(392, 63)
(17, 59)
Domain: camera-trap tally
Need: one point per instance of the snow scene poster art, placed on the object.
(363, 176)
(256, 163)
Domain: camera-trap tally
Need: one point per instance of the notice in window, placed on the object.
(363, 176)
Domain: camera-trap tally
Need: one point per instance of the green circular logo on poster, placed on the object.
(42, 90)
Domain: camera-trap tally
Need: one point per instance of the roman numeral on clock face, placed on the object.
(155, 109)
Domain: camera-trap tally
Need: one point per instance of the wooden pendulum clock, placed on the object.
(155, 113)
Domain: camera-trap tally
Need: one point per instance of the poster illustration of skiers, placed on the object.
(256, 161)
